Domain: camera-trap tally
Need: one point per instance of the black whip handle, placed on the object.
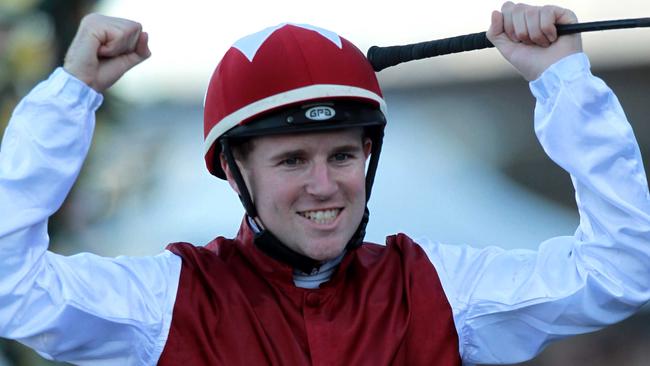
(383, 57)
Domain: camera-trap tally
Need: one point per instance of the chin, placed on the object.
(325, 251)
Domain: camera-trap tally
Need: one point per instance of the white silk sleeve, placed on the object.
(82, 309)
(508, 305)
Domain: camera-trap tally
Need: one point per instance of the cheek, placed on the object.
(273, 194)
(356, 182)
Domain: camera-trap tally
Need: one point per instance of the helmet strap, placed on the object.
(360, 233)
(244, 195)
(270, 245)
(377, 138)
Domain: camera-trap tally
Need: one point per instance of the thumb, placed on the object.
(497, 34)
(142, 46)
(496, 26)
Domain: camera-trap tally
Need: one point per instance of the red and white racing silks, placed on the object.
(506, 305)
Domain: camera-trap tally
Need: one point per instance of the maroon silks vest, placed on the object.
(235, 306)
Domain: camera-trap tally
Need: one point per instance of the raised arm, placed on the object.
(508, 305)
(81, 309)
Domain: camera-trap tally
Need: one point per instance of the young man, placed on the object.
(292, 115)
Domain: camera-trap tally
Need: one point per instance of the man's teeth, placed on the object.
(321, 217)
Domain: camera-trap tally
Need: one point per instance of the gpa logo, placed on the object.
(320, 113)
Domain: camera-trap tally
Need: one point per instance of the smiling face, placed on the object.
(309, 189)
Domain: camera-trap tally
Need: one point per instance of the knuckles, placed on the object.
(507, 7)
(538, 22)
(118, 25)
(92, 20)
(531, 12)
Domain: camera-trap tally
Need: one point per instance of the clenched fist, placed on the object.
(105, 48)
(526, 36)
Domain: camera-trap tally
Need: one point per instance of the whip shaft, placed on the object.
(383, 57)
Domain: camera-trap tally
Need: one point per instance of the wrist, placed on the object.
(566, 69)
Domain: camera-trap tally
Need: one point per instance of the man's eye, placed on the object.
(341, 157)
(290, 162)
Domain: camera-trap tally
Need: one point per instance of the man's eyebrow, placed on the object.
(287, 154)
(347, 147)
(302, 152)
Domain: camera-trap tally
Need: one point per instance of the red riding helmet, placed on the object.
(286, 66)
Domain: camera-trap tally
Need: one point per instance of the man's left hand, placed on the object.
(526, 36)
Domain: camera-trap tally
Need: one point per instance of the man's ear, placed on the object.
(367, 146)
(229, 176)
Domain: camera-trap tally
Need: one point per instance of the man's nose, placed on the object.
(321, 182)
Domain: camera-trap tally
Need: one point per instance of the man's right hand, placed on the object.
(104, 49)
